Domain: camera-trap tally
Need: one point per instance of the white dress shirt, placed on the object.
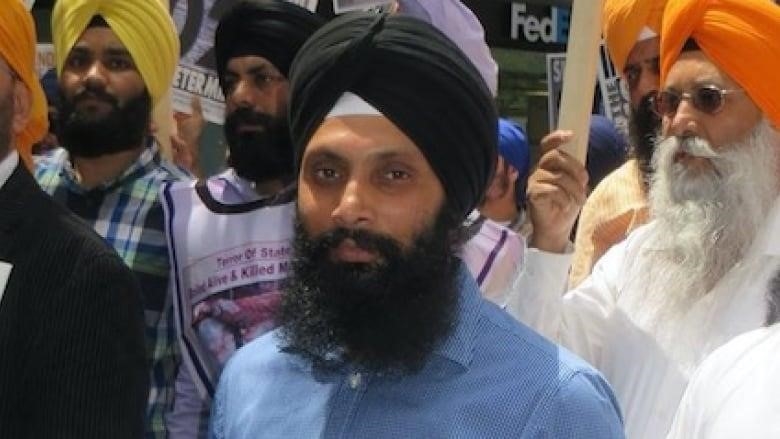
(734, 392)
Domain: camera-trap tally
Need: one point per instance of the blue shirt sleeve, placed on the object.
(583, 407)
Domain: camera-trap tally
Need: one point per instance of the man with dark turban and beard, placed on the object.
(618, 204)
(115, 61)
(248, 209)
(696, 275)
(383, 331)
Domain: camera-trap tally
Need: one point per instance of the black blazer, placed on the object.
(72, 355)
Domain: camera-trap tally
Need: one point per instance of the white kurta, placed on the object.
(648, 375)
(734, 392)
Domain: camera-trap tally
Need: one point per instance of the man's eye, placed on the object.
(397, 174)
(632, 75)
(229, 84)
(261, 80)
(119, 64)
(75, 61)
(326, 173)
(655, 65)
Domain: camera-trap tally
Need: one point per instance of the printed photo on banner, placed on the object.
(227, 286)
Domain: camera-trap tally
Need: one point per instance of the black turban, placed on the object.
(416, 77)
(272, 29)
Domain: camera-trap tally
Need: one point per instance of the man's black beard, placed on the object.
(385, 317)
(263, 155)
(89, 136)
(643, 129)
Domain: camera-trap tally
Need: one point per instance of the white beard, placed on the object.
(704, 224)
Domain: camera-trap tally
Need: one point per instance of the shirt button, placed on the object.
(354, 380)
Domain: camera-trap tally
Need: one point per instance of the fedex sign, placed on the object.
(552, 29)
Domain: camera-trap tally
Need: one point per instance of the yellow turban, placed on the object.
(17, 48)
(623, 23)
(145, 27)
(741, 37)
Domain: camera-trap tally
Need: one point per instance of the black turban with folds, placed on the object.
(272, 29)
(416, 77)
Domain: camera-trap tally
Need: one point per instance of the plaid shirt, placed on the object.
(128, 214)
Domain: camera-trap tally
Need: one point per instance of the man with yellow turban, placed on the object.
(115, 61)
(697, 274)
(618, 204)
(73, 360)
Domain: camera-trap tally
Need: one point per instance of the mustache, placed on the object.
(368, 241)
(249, 117)
(691, 145)
(97, 95)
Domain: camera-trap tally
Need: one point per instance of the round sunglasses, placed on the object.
(708, 99)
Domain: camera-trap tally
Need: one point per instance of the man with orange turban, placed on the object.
(697, 274)
(618, 204)
(115, 61)
(735, 45)
(73, 360)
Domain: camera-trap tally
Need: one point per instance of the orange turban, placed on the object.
(17, 48)
(624, 21)
(741, 37)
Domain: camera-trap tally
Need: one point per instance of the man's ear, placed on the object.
(22, 106)
(512, 173)
(495, 189)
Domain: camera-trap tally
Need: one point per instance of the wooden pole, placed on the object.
(579, 78)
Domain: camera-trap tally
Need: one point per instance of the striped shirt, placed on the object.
(127, 212)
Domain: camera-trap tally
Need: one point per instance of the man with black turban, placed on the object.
(248, 209)
(383, 331)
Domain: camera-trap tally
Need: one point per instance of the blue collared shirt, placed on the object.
(491, 378)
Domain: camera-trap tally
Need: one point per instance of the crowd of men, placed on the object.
(376, 260)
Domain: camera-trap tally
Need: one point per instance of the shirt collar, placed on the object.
(7, 166)
(147, 161)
